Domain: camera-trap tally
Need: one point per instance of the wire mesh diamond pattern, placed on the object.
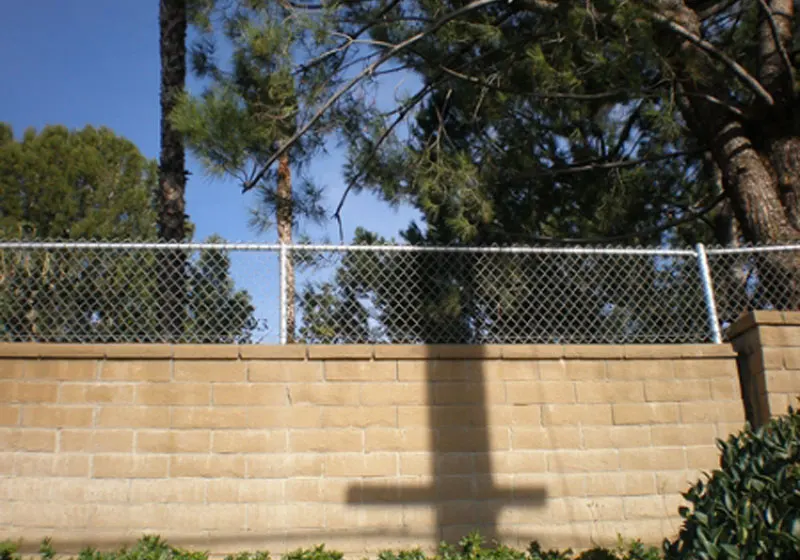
(751, 278)
(490, 297)
(86, 292)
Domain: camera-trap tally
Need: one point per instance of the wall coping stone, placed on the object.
(17, 350)
(752, 319)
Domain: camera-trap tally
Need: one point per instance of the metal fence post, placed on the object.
(708, 292)
(283, 303)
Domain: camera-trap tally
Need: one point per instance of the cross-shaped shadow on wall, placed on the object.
(463, 489)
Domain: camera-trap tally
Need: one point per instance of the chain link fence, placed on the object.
(134, 292)
(249, 293)
(747, 278)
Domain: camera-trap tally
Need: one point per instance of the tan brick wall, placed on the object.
(768, 343)
(363, 448)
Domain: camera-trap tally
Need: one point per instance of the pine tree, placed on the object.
(537, 121)
(88, 184)
(251, 108)
(91, 185)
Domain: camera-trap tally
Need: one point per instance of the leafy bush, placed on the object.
(750, 507)
(470, 547)
(46, 550)
(413, 554)
(8, 551)
(633, 551)
(316, 553)
(149, 547)
(259, 555)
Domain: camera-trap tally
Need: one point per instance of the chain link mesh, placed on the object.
(753, 278)
(61, 292)
(230, 293)
(514, 297)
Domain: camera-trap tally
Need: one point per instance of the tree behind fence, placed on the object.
(94, 292)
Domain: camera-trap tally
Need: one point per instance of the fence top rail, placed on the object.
(236, 246)
(275, 247)
(753, 249)
(511, 250)
(137, 245)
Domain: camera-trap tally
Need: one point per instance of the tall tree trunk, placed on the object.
(780, 127)
(172, 172)
(754, 157)
(759, 158)
(284, 213)
(751, 184)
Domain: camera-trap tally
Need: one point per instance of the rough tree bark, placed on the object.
(759, 158)
(748, 153)
(285, 217)
(172, 172)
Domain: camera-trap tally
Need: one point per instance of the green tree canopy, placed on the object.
(93, 185)
(539, 119)
(641, 122)
(85, 184)
(253, 100)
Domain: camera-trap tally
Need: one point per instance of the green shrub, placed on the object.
(633, 551)
(413, 554)
(258, 555)
(149, 547)
(8, 550)
(471, 548)
(750, 507)
(316, 553)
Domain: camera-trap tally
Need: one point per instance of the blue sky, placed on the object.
(96, 62)
(79, 62)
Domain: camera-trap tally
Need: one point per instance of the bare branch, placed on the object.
(717, 101)
(309, 7)
(704, 45)
(399, 47)
(598, 96)
(693, 215)
(504, 89)
(409, 105)
(626, 130)
(597, 165)
(349, 42)
(337, 215)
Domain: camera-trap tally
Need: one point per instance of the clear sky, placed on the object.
(96, 62)
(79, 62)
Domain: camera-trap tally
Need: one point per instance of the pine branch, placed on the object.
(379, 18)
(505, 89)
(626, 130)
(396, 49)
(693, 216)
(597, 96)
(597, 165)
(337, 215)
(704, 45)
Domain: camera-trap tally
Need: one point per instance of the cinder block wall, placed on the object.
(227, 448)
(768, 343)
